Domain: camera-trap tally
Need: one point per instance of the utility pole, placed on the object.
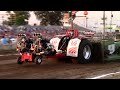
(86, 21)
(111, 21)
(103, 42)
(103, 23)
(2, 20)
(72, 18)
(72, 23)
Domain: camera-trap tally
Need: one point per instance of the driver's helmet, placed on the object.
(70, 33)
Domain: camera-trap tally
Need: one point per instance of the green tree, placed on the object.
(18, 18)
(49, 17)
(5, 22)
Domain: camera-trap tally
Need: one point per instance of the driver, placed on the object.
(37, 37)
(20, 41)
(24, 42)
(39, 41)
(72, 33)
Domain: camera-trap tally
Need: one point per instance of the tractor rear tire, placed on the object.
(85, 52)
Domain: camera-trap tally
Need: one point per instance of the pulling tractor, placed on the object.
(69, 46)
(87, 47)
(73, 46)
(84, 48)
(27, 51)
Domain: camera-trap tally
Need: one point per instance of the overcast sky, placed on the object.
(97, 15)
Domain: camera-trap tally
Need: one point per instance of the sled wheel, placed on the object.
(19, 60)
(38, 60)
(85, 51)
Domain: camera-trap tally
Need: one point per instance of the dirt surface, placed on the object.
(54, 69)
(8, 57)
(3, 52)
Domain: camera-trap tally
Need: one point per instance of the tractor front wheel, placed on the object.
(19, 60)
(38, 60)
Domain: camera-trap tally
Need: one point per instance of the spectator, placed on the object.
(4, 41)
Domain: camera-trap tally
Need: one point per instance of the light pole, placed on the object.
(2, 20)
(73, 17)
(103, 42)
(71, 23)
(86, 13)
(103, 23)
(111, 21)
(86, 21)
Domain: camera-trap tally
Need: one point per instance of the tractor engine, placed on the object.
(49, 51)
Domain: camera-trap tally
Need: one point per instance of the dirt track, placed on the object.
(53, 69)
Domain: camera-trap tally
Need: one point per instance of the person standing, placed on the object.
(4, 41)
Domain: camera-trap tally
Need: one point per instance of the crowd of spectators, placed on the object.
(8, 34)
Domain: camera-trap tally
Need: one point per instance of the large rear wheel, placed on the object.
(85, 51)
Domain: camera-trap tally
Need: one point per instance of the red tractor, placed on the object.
(29, 56)
(27, 52)
(72, 45)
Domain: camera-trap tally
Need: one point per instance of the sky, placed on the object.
(93, 17)
(33, 19)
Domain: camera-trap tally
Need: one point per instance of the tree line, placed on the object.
(45, 17)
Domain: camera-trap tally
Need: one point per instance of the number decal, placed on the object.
(111, 48)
